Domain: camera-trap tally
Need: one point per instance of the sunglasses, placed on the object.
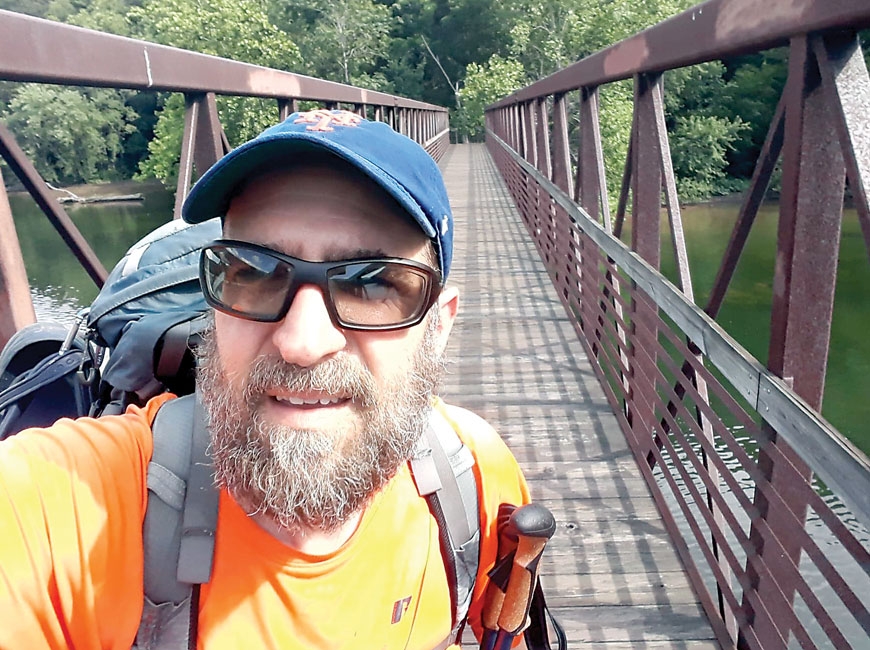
(259, 284)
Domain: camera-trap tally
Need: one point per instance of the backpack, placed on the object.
(138, 341)
(146, 318)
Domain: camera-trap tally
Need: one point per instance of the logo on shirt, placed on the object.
(399, 609)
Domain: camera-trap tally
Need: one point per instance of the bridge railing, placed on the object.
(746, 472)
(41, 51)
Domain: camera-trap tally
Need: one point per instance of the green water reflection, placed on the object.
(58, 283)
(745, 314)
(60, 287)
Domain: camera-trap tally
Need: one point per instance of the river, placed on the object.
(60, 287)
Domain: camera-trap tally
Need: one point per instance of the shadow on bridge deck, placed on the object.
(611, 574)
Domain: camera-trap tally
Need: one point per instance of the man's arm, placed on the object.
(72, 499)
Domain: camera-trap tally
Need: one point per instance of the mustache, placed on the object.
(342, 375)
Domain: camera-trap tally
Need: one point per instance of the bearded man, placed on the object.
(318, 379)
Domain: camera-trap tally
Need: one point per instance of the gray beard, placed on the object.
(307, 479)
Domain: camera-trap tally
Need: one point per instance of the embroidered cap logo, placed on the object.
(323, 120)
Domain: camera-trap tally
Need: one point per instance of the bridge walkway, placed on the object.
(611, 573)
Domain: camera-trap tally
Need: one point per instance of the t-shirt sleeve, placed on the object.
(72, 501)
(500, 482)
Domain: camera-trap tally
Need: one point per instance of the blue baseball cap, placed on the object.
(396, 163)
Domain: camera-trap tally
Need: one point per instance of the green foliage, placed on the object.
(103, 15)
(549, 36)
(235, 29)
(754, 86)
(70, 135)
(616, 108)
(483, 85)
(164, 149)
(701, 134)
(699, 155)
(341, 40)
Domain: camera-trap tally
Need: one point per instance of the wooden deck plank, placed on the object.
(610, 572)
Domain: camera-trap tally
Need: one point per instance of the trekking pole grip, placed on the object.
(535, 525)
(498, 576)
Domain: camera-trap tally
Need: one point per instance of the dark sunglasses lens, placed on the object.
(378, 293)
(245, 282)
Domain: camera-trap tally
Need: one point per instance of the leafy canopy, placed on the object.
(233, 29)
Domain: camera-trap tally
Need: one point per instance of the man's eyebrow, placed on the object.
(330, 255)
(357, 254)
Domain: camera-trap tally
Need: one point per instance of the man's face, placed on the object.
(309, 419)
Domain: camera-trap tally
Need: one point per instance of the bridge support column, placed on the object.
(646, 242)
(811, 209)
(202, 144)
(16, 306)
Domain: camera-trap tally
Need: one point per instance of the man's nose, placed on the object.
(307, 334)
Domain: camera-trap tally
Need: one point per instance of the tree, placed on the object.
(71, 136)
(754, 85)
(341, 40)
(484, 84)
(235, 29)
(699, 146)
(462, 32)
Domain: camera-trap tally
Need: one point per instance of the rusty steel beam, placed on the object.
(16, 305)
(593, 135)
(188, 144)
(646, 242)
(647, 177)
(844, 75)
(561, 152)
(209, 147)
(542, 137)
(37, 50)
(202, 145)
(530, 134)
(804, 280)
(30, 178)
(592, 187)
(669, 183)
(812, 214)
(714, 30)
(764, 167)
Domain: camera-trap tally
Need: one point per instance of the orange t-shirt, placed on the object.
(72, 501)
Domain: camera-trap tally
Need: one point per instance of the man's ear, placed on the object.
(448, 305)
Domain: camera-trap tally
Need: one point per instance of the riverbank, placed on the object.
(100, 191)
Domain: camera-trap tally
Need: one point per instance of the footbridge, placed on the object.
(702, 500)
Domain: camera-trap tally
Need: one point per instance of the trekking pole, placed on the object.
(498, 576)
(534, 525)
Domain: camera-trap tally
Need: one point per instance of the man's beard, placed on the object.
(313, 479)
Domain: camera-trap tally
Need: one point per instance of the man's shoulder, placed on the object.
(470, 427)
(477, 434)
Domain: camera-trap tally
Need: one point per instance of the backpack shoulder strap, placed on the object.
(179, 527)
(444, 475)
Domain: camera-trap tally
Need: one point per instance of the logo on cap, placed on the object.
(323, 120)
